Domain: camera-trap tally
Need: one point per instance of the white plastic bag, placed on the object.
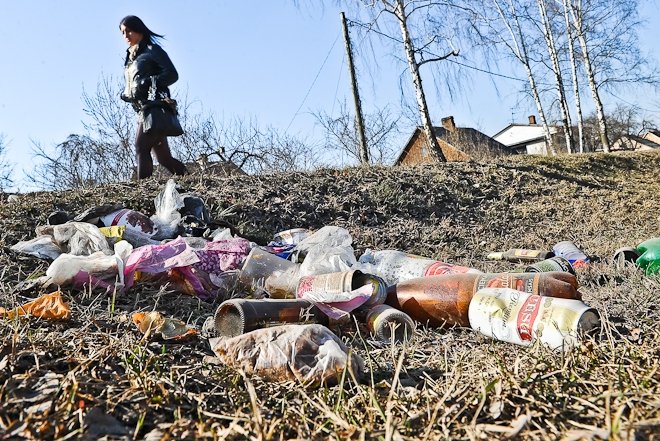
(328, 250)
(167, 215)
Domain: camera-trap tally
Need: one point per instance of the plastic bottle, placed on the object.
(521, 255)
(512, 316)
(387, 323)
(570, 252)
(649, 259)
(238, 316)
(396, 266)
(444, 300)
(263, 270)
(552, 264)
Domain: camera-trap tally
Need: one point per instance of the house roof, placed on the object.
(465, 139)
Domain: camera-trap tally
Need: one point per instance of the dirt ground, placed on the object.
(95, 377)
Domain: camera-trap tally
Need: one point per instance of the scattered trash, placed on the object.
(310, 354)
(396, 266)
(555, 263)
(238, 316)
(77, 238)
(572, 253)
(443, 301)
(265, 272)
(292, 237)
(389, 324)
(47, 306)
(625, 256)
(337, 294)
(154, 324)
(521, 255)
(516, 317)
(649, 260)
(328, 250)
(167, 217)
(58, 218)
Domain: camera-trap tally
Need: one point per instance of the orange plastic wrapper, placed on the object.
(153, 323)
(48, 306)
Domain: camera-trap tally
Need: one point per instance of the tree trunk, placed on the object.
(519, 48)
(574, 75)
(576, 11)
(556, 70)
(427, 125)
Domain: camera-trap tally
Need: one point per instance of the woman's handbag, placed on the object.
(159, 116)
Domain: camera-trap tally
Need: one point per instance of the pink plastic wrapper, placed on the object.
(189, 268)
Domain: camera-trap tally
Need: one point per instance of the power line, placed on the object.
(371, 29)
(313, 83)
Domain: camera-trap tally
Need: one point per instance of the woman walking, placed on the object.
(145, 63)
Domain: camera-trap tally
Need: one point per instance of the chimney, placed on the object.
(532, 120)
(448, 123)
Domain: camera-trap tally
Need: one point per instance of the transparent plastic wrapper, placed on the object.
(167, 216)
(397, 266)
(310, 354)
(520, 318)
(133, 236)
(649, 259)
(328, 250)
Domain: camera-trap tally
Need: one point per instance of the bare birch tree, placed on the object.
(570, 36)
(555, 67)
(499, 24)
(6, 168)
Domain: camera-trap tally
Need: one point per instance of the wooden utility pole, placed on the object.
(359, 121)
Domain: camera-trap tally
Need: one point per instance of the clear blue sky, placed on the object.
(265, 59)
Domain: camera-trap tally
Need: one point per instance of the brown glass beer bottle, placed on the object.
(444, 300)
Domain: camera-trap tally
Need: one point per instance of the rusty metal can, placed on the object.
(517, 317)
(556, 263)
(389, 324)
(341, 282)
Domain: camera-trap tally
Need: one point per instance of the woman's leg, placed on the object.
(143, 144)
(164, 156)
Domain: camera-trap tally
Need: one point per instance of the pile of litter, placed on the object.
(303, 283)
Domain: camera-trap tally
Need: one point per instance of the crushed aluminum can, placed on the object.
(556, 263)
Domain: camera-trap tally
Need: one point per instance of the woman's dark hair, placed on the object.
(135, 24)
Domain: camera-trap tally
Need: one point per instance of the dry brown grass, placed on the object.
(95, 375)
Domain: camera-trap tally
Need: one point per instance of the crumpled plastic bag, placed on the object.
(167, 215)
(48, 306)
(328, 250)
(97, 269)
(154, 324)
(42, 247)
(310, 354)
(77, 238)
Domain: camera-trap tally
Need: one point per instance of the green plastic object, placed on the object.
(649, 259)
